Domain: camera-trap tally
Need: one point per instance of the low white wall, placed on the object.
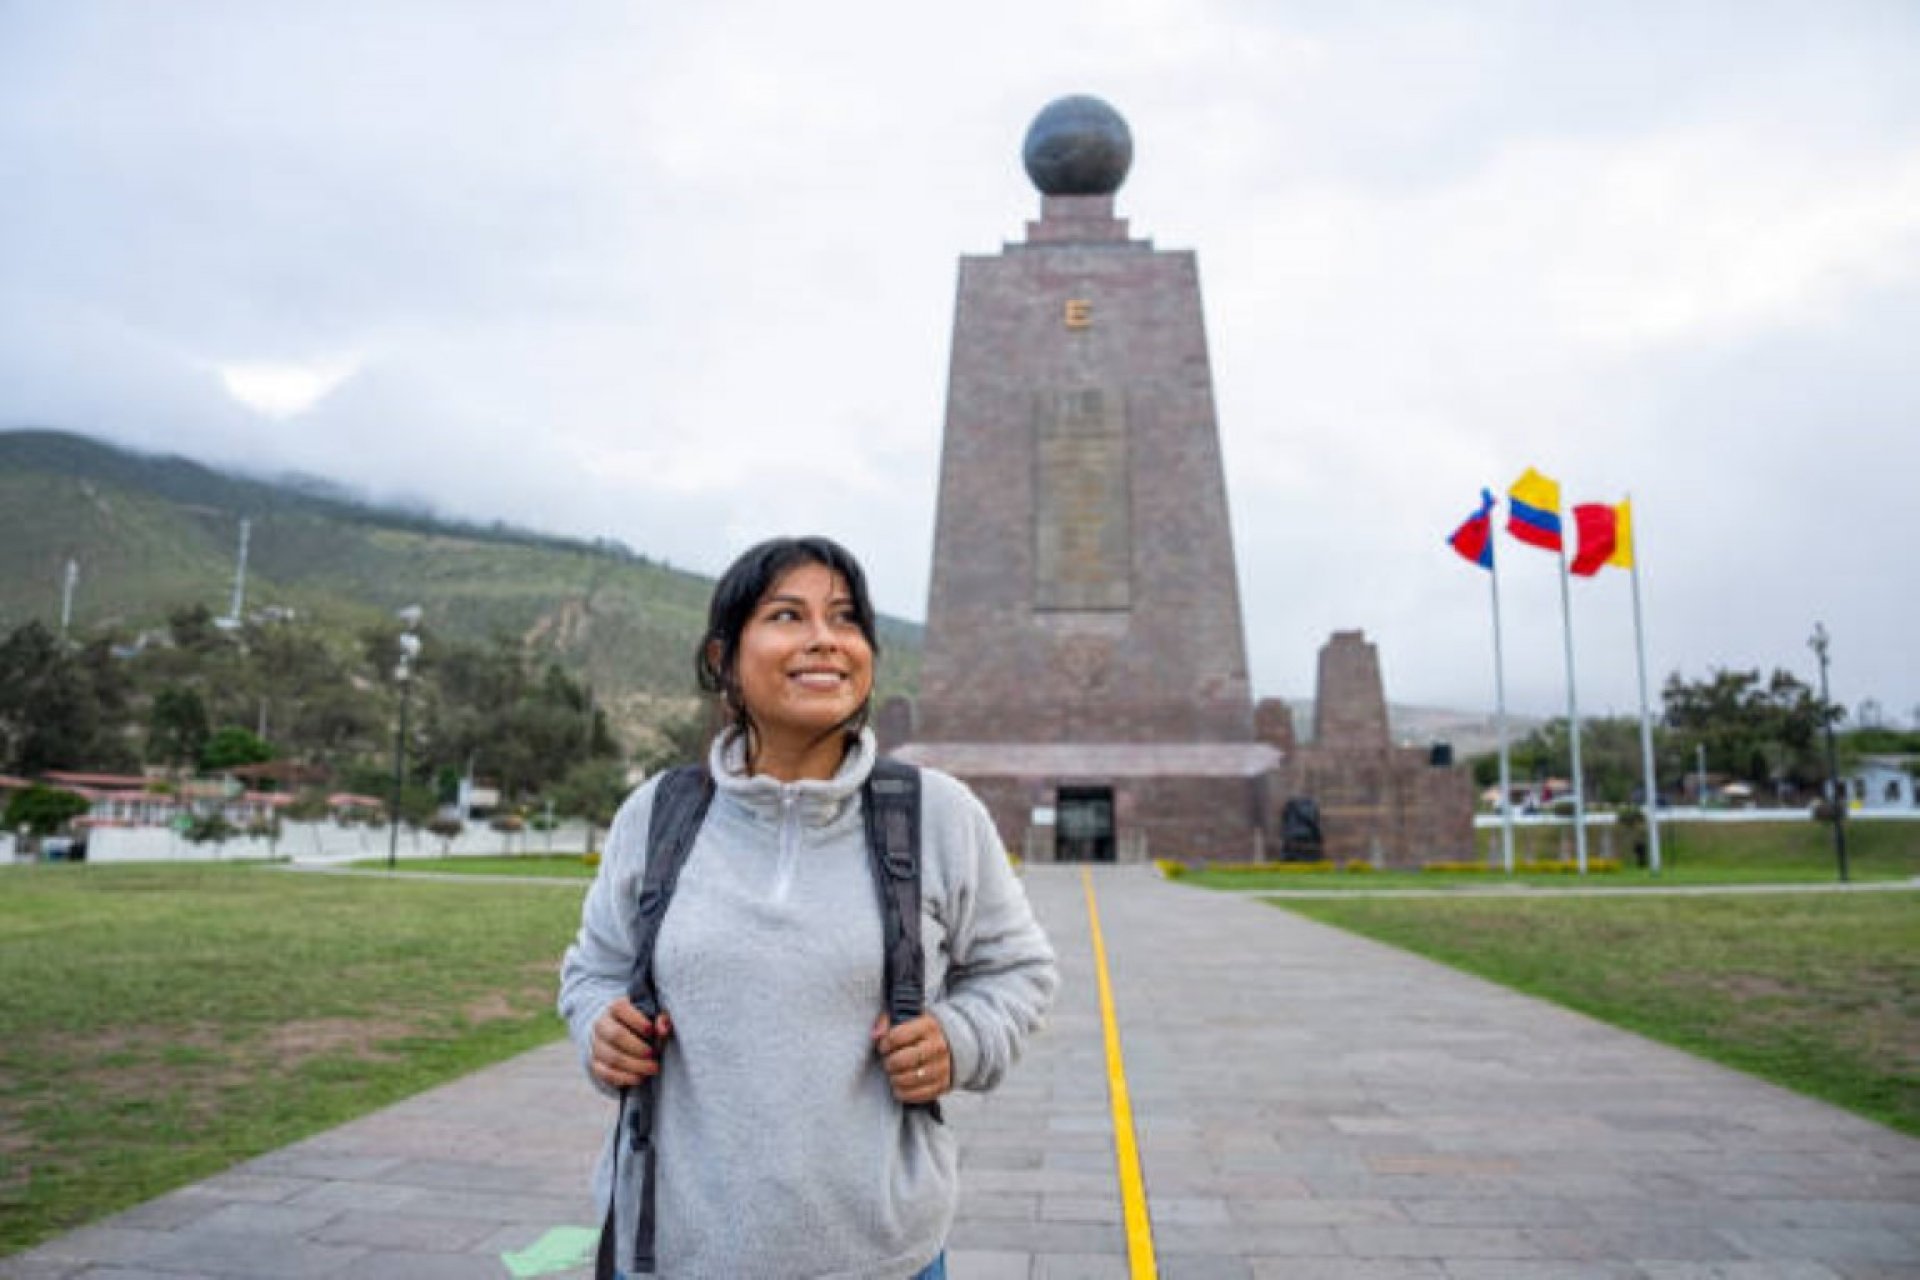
(329, 842)
(1690, 814)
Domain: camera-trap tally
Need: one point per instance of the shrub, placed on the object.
(208, 828)
(1555, 867)
(1173, 870)
(448, 829)
(43, 810)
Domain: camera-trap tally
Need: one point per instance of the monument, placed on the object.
(1084, 666)
(1375, 802)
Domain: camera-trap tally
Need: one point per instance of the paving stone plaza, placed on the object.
(1307, 1103)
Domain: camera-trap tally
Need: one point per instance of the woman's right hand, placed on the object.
(627, 1044)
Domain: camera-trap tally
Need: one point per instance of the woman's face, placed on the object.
(803, 666)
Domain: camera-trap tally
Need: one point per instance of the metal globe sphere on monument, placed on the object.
(1078, 146)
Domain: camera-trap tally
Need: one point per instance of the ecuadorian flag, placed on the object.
(1533, 511)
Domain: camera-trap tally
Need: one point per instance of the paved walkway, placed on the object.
(1308, 1104)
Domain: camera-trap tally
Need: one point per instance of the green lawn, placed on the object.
(1692, 853)
(1819, 992)
(163, 1022)
(569, 866)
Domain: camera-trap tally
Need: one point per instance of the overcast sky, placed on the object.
(683, 275)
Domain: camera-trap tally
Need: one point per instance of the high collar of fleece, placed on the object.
(820, 799)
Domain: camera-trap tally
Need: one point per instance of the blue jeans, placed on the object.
(936, 1270)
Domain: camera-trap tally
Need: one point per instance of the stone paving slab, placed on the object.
(1308, 1105)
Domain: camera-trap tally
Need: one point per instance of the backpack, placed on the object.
(890, 806)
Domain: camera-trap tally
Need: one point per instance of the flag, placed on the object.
(1598, 527)
(1474, 539)
(1533, 514)
(1606, 537)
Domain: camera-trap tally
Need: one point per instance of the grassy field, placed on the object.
(568, 866)
(163, 1022)
(1819, 992)
(1692, 853)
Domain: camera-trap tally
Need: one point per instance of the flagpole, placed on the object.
(1500, 713)
(1651, 782)
(1573, 718)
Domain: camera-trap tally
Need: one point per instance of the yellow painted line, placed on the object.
(1126, 1151)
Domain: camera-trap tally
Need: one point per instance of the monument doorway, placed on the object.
(1084, 825)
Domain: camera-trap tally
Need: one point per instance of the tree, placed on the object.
(208, 828)
(177, 730)
(592, 791)
(682, 739)
(1764, 732)
(53, 704)
(525, 734)
(1609, 757)
(192, 628)
(233, 746)
(448, 829)
(43, 810)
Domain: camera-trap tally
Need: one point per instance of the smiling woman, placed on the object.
(790, 648)
(793, 1130)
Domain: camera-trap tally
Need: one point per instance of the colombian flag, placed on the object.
(1474, 539)
(1606, 537)
(1533, 512)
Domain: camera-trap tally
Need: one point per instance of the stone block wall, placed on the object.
(1378, 802)
(1216, 819)
(1083, 584)
(1350, 705)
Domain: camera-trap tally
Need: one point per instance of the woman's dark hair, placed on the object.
(739, 592)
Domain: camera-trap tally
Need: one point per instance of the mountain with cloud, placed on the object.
(148, 535)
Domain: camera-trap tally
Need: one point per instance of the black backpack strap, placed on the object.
(679, 807)
(680, 801)
(891, 802)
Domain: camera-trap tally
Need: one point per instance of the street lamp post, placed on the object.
(403, 673)
(1836, 799)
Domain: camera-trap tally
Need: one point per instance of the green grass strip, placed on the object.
(1694, 853)
(568, 866)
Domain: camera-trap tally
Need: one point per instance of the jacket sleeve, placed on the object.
(597, 967)
(1001, 976)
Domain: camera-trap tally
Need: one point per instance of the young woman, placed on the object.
(784, 1141)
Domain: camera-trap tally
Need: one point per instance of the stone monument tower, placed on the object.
(1084, 665)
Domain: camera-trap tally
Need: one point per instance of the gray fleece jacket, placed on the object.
(782, 1152)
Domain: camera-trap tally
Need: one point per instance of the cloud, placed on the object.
(285, 389)
(684, 277)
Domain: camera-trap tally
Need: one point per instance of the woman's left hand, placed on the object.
(915, 1054)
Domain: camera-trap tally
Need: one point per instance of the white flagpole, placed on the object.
(1649, 780)
(1500, 708)
(1573, 714)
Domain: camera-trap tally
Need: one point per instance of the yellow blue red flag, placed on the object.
(1533, 511)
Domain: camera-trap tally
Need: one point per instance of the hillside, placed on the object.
(150, 534)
